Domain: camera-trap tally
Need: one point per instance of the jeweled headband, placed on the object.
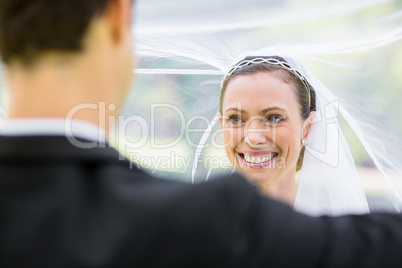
(272, 61)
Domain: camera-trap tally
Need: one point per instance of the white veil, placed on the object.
(184, 47)
(328, 183)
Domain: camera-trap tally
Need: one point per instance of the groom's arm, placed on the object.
(280, 237)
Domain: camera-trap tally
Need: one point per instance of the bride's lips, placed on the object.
(257, 160)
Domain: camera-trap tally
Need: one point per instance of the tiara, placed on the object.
(272, 61)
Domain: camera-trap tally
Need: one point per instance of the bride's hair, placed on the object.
(286, 76)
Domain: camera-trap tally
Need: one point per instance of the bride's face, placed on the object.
(262, 126)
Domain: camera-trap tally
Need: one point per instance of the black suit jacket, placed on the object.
(62, 206)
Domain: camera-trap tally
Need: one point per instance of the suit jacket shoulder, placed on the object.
(63, 206)
(60, 204)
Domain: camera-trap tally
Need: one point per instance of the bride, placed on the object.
(184, 61)
(277, 123)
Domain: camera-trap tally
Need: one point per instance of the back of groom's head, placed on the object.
(68, 52)
(31, 27)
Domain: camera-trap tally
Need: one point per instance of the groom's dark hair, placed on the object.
(31, 27)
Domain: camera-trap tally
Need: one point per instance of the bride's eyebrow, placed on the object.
(240, 111)
(272, 109)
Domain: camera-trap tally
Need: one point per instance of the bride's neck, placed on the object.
(282, 189)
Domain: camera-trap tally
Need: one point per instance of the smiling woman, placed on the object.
(267, 112)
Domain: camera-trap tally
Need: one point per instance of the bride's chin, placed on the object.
(255, 178)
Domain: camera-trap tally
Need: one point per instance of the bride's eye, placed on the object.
(274, 119)
(234, 119)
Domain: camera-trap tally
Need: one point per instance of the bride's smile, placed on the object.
(257, 159)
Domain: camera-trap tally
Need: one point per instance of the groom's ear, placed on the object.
(307, 124)
(119, 16)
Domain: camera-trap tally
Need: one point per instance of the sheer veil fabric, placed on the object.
(190, 45)
(328, 182)
(352, 50)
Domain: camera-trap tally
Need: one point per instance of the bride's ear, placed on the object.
(307, 125)
(220, 121)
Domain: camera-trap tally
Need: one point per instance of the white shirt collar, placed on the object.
(53, 127)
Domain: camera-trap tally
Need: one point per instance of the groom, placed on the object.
(67, 200)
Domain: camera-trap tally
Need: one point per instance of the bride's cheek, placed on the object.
(226, 139)
(232, 138)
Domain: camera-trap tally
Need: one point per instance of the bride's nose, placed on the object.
(256, 134)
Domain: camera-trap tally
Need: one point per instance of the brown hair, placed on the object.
(287, 77)
(31, 27)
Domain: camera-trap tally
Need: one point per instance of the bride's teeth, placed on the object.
(258, 159)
